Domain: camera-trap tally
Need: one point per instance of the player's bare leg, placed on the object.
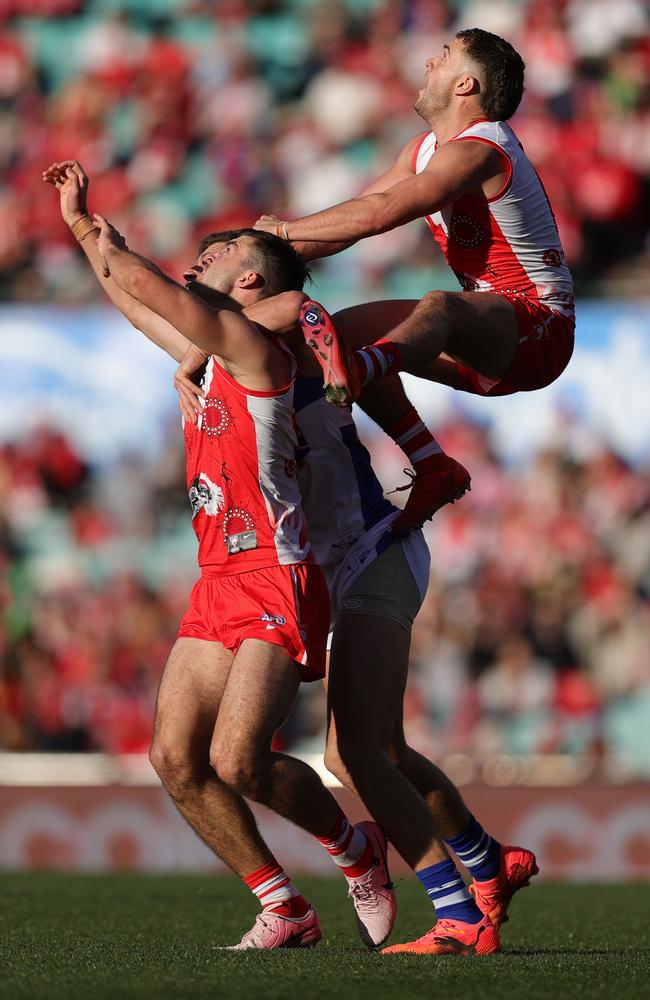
(366, 684)
(444, 801)
(367, 679)
(188, 704)
(259, 695)
(478, 329)
(378, 683)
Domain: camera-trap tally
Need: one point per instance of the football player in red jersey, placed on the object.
(258, 617)
(511, 328)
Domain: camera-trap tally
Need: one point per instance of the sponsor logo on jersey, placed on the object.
(243, 541)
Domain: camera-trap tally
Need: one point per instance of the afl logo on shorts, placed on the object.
(273, 619)
(466, 231)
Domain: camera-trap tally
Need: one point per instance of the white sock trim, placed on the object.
(432, 448)
(452, 899)
(353, 852)
(411, 433)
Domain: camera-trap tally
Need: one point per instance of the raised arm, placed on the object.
(457, 168)
(314, 249)
(221, 331)
(70, 180)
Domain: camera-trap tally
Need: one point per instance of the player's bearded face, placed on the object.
(440, 80)
(434, 97)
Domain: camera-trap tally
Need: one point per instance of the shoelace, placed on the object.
(407, 486)
(254, 933)
(444, 926)
(363, 891)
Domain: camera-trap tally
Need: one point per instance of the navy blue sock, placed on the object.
(477, 850)
(448, 893)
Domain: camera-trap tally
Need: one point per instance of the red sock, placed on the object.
(275, 890)
(348, 847)
(380, 359)
(415, 440)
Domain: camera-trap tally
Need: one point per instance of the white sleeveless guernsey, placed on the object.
(507, 244)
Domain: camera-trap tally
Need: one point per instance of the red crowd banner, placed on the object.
(589, 832)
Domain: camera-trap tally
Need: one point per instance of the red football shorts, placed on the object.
(286, 605)
(544, 350)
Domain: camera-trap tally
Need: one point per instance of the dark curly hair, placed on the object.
(279, 264)
(503, 68)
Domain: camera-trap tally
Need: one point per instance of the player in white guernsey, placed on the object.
(511, 328)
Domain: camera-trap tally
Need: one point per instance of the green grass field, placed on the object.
(133, 936)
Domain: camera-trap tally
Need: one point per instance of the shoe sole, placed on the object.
(450, 947)
(320, 334)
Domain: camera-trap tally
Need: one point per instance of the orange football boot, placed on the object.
(444, 481)
(341, 375)
(452, 937)
(493, 897)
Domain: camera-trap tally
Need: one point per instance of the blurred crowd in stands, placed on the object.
(533, 639)
(192, 115)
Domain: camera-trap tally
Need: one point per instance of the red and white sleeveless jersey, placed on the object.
(509, 243)
(241, 477)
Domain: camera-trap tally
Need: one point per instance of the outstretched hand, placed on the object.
(71, 181)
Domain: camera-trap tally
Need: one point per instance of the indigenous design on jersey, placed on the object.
(241, 479)
(342, 497)
(508, 244)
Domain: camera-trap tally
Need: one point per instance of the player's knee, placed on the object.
(235, 767)
(435, 301)
(357, 756)
(333, 762)
(175, 768)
